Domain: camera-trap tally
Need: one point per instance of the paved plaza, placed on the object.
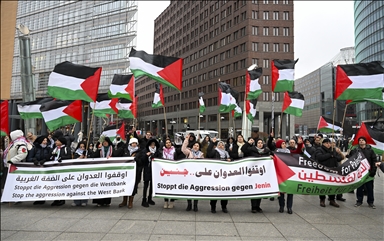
(309, 221)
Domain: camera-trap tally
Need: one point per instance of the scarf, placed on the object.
(169, 153)
(239, 152)
(132, 149)
(79, 151)
(106, 151)
(195, 154)
(57, 151)
(10, 145)
(223, 153)
(152, 151)
(281, 150)
(260, 150)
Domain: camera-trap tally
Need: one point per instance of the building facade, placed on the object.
(91, 33)
(218, 41)
(369, 45)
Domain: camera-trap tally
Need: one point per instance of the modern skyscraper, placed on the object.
(218, 40)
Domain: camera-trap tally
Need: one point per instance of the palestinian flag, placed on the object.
(112, 130)
(70, 81)
(201, 104)
(237, 112)
(104, 105)
(374, 137)
(134, 107)
(252, 87)
(29, 110)
(158, 98)
(125, 108)
(250, 109)
(293, 103)
(359, 81)
(283, 75)
(57, 113)
(122, 86)
(165, 70)
(4, 124)
(326, 125)
(375, 101)
(227, 98)
(121, 132)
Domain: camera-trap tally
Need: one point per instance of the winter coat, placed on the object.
(187, 151)
(235, 151)
(146, 161)
(251, 150)
(327, 156)
(370, 155)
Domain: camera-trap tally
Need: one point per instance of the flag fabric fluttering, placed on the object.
(359, 81)
(237, 112)
(70, 81)
(125, 107)
(121, 132)
(283, 75)
(4, 122)
(293, 103)
(31, 109)
(104, 105)
(373, 136)
(158, 97)
(201, 104)
(57, 113)
(122, 86)
(163, 69)
(112, 131)
(326, 125)
(227, 98)
(134, 107)
(375, 101)
(252, 87)
(250, 109)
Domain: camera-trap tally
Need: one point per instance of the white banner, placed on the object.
(70, 180)
(214, 179)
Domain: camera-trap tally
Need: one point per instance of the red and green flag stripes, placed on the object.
(252, 86)
(250, 109)
(227, 98)
(293, 103)
(283, 74)
(4, 122)
(122, 86)
(326, 125)
(70, 81)
(112, 131)
(359, 81)
(158, 97)
(30, 110)
(104, 105)
(125, 108)
(58, 113)
(373, 136)
(163, 69)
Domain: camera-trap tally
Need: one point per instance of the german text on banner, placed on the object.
(312, 178)
(72, 179)
(214, 179)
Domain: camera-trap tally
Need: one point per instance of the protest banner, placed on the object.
(214, 179)
(312, 178)
(70, 180)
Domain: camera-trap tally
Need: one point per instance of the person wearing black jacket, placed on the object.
(130, 150)
(372, 159)
(309, 148)
(151, 151)
(236, 152)
(221, 154)
(328, 157)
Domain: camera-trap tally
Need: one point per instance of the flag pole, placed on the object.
(281, 124)
(165, 121)
(333, 124)
(273, 112)
(90, 127)
(234, 129)
(219, 126)
(345, 112)
(199, 120)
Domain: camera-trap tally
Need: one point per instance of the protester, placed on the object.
(236, 152)
(192, 153)
(368, 186)
(309, 148)
(205, 144)
(229, 144)
(169, 153)
(80, 153)
(339, 197)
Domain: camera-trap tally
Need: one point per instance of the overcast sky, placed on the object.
(322, 28)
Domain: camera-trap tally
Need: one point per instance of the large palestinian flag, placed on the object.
(283, 75)
(4, 123)
(326, 125)
(122, 86)
(374, 137)
(158, 97)
(29, 110)
(359, 81)
(250, 109)
(113, 130)
(70, 81)
(293, 103)
(125, 108)
(57, 113)
(375, 101)
(252, 86)
(104, 105)
(227, 98)
(163, 69)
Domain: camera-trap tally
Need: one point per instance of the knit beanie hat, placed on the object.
(362, 137)
(62, 140)
(278, 143)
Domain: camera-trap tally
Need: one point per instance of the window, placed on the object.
(255, 30)
(265, 63)
(265, 79)
(242, 47)
(265, 31)
(275, 47)
(285, 31)
(285, 15)
(265, 15)
(265, 96)
(242, 31)
(235, 50)
(275, 1)
(244, 16)
(235, 35)
(285, 47)
(242, 63)
(255, 61)
(254, 46)
(265, 47)
(275, 15)
(285, 2)
(275, 31)
(265, 1)
(254, 14)
(235, 66)
(277, 96)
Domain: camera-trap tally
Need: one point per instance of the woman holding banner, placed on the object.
(192, 153)
(169, 153)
